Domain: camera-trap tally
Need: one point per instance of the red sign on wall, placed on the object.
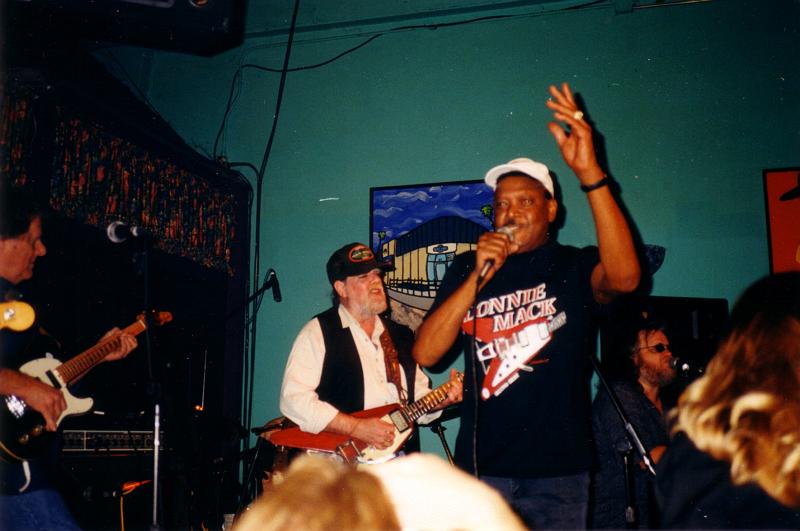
(782, 193)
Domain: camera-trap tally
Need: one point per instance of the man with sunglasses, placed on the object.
(650, 369)
(351, 357)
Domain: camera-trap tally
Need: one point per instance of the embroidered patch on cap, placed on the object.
(361, 254)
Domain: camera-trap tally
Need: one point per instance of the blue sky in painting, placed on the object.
(399, 210)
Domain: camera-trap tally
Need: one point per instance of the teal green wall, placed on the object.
(694, 101)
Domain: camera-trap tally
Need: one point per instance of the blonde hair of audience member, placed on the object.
(319, 494)
(746, 408)
(427, 492)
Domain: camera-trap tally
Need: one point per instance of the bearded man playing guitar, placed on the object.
(350, 358)
(27, 499)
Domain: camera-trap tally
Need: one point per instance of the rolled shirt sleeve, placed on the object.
(299, 400)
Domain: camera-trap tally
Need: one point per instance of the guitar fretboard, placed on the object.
(89, 358)
(428, 402)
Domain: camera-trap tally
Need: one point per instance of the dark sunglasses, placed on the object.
(658, 347)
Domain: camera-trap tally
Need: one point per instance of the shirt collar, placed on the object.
(348, 321)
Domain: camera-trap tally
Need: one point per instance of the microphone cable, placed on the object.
(474, 367)
(508, 231)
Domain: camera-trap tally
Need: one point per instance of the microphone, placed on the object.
(508, 230)
(683, 367)
(272, 282)
(118, 231)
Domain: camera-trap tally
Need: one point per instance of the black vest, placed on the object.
(342, 381)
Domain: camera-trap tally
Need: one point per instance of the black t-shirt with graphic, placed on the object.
(534, 332)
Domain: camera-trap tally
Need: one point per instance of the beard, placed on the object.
(372, 306)
(376, 307)
(657, 376)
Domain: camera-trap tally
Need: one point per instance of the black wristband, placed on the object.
(599, 184)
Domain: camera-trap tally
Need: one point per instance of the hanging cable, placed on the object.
(259, 192)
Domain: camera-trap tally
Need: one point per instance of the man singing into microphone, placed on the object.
(532, 318)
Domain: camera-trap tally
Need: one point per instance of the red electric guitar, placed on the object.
(355, 450)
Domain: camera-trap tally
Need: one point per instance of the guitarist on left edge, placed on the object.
(28, 500)
(339, 363)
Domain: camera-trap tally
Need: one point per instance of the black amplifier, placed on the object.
(108, 441)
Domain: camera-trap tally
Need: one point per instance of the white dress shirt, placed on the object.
(299, 399)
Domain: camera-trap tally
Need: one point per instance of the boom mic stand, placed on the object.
(270, 282)
(630, 430)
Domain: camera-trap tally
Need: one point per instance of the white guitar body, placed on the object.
(372, 455)
(45, 370)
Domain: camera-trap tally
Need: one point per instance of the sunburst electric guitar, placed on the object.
(355, 450)
(22, 432)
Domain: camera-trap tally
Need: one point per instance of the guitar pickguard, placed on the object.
(44, 369)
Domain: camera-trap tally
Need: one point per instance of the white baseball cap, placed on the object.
(531, 168)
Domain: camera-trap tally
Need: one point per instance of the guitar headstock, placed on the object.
(156, 318)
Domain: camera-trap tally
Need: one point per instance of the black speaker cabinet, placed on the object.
(92, 486)
(203, 27)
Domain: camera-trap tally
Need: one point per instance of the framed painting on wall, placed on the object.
(421, 228)
(782, 195)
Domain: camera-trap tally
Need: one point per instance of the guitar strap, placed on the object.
(392, 362)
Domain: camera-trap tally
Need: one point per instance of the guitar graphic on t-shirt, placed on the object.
(512, 350)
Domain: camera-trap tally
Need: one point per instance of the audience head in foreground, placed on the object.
(416, 491)
(745, 412)
(319, 494)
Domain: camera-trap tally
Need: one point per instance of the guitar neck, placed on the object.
(428, 402)
(84, 361)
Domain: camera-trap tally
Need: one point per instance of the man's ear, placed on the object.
(552, 210)
(338, 286)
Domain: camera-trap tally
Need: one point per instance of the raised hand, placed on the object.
(573, 135)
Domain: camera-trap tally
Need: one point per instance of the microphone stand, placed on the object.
(142, 260)
(249, 486)
(630, 431)
(437, 428)
(269, 283)
(630, 510)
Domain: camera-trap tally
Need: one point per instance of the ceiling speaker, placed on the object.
(202, 27)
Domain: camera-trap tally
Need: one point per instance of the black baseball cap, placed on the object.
(351, 260)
